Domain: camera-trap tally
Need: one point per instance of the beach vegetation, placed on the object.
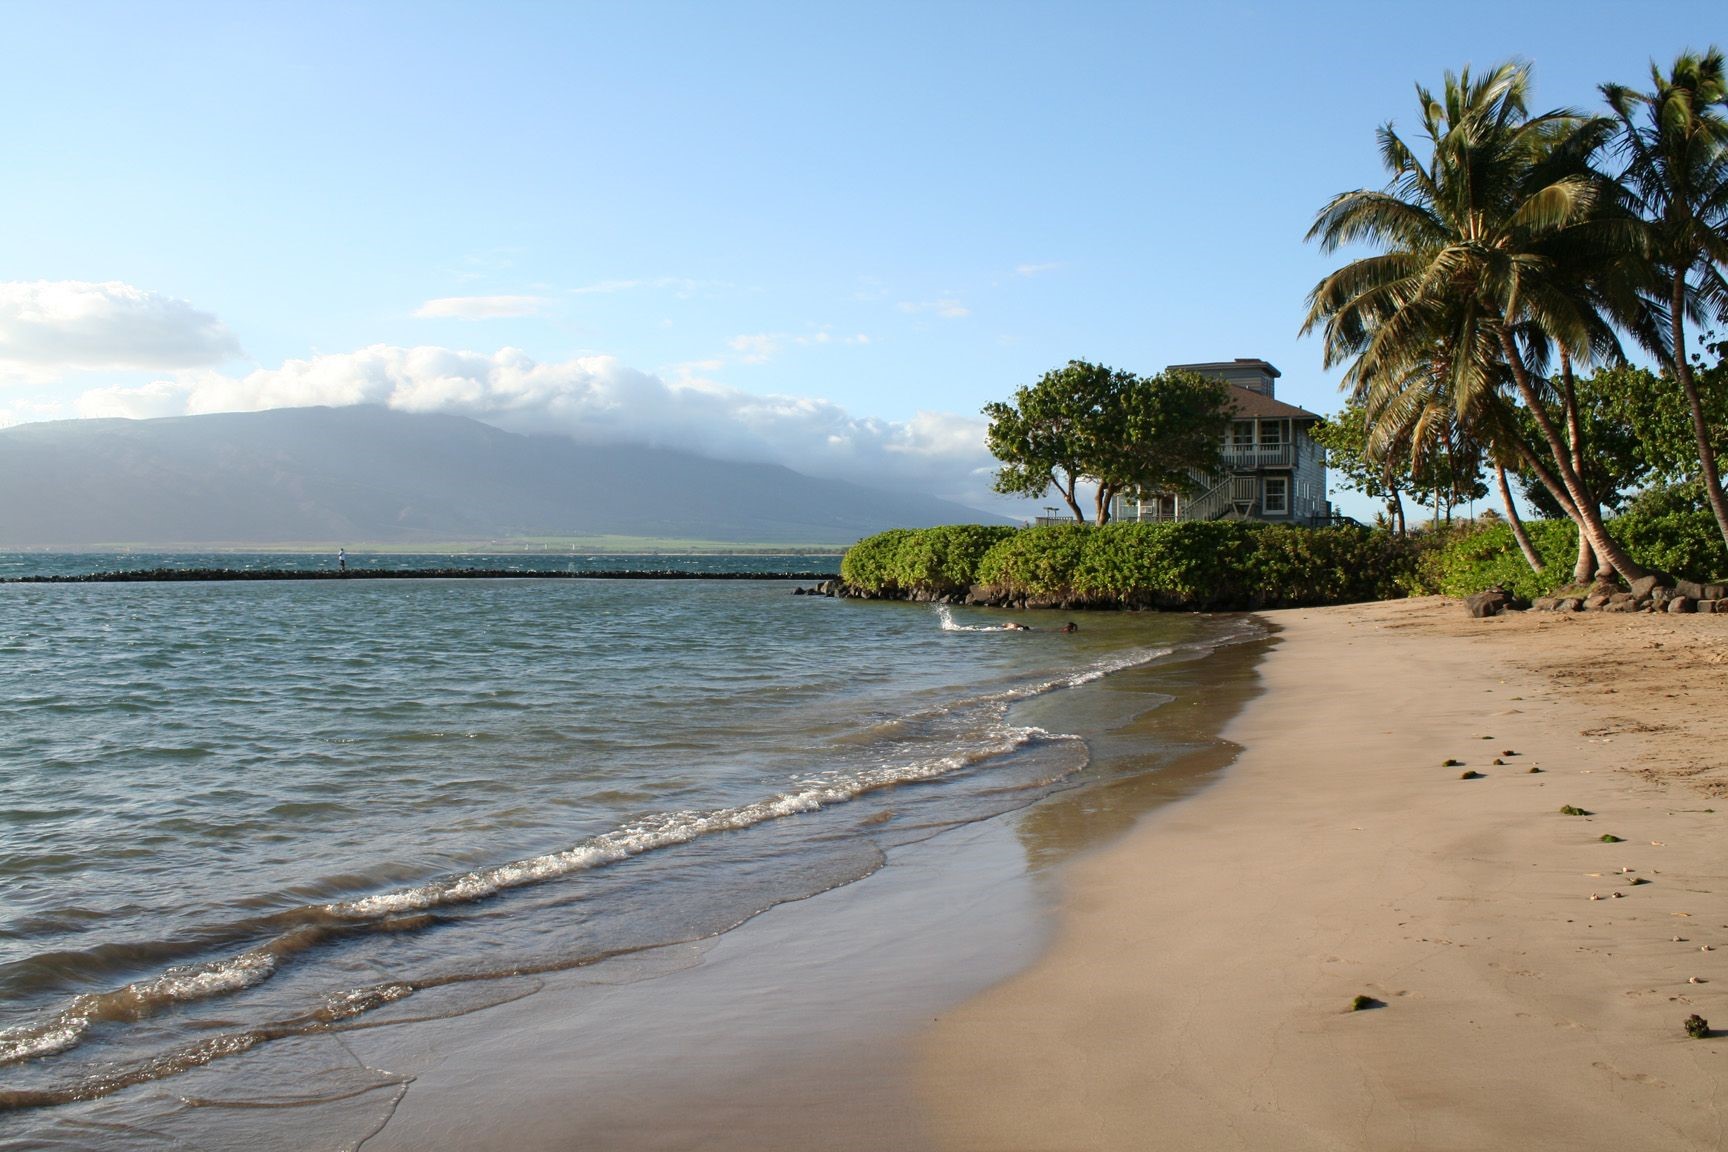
(937, 561)
(1361, 1003)
(1610, 838)
(1431, 459)
(1573, 810)
(1697, 1027)
(1117, 430)
(1663, 528)
(1494, 260)
(1513, 253)
(1185, 564)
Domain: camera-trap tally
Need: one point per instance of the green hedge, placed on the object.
(1193, 564)
(1677, 542)
(1470, 558)
(941, 560)
(1680, 543)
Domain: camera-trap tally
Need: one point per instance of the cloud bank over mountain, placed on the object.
(54, 332)
(596, 400)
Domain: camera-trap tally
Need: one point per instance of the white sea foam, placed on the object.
(64, 1029)
(665, 829)
(42, 1038)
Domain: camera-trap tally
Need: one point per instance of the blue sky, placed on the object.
(819, 233)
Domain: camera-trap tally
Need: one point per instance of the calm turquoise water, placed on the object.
(233, 814)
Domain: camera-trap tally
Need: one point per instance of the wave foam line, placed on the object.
(141, 998)
(66, 1028)
(665, 829)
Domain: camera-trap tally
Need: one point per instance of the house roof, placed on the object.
(1245, 402)
(1213, 367)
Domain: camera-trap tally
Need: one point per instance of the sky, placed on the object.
(821, 234)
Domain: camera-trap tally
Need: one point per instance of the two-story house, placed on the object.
(1273, 469)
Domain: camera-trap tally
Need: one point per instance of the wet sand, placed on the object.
(1199, 993)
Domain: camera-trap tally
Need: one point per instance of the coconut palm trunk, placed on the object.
(1583, 512)
(1586, 567)
(1518, 531)
(1700, 426)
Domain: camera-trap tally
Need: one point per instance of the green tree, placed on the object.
(1626, 419)
(1674, 140)
(1171, 438)
(1476, 282)
(1428, 455)
(1345, 438)
(1089, 423)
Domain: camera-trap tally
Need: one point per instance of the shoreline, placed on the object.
(795, 1030)
(1198, 994)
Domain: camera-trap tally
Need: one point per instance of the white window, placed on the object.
(1275, 496)
(1242, 434)
(1271, 433)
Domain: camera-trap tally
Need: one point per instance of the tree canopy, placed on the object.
(1116, 430)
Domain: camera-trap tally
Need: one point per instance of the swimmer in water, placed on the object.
(1011, 627)
(1069, 627)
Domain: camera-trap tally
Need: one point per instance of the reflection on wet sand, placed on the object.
(1159, 755)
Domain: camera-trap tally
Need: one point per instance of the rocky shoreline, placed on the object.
(1652, 593)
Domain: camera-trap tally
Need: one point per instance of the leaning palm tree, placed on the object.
(1470, 262)
(1674, 140)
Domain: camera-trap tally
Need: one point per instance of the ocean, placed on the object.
(234, 816)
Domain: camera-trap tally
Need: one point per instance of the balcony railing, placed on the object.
(1259, 456)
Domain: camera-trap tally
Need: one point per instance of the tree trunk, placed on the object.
(1512, 518)
(1067, 491)
(1396, 507)
(1700, 427)
(1586, 567)
(1589, 519)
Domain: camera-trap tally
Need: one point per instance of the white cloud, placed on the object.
(50, 327)
(1034, 269)
(757, 349)
(480, 307)
(597, 399)
(948, 308)
(760, 347)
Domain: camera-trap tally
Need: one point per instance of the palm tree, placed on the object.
(1473, 262)
(1674, 140)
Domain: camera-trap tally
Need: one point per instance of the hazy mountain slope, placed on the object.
(368, 473)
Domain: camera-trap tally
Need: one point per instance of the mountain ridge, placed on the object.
(374, 474)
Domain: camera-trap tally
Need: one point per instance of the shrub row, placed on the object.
(1679, 542)
(1214, 564)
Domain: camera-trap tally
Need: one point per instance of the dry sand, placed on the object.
(1198, 996)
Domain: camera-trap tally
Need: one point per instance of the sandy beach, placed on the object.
(1528, 979)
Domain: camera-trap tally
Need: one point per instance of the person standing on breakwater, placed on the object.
(342, 560)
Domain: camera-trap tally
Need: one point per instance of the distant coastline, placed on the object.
(171, 575)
